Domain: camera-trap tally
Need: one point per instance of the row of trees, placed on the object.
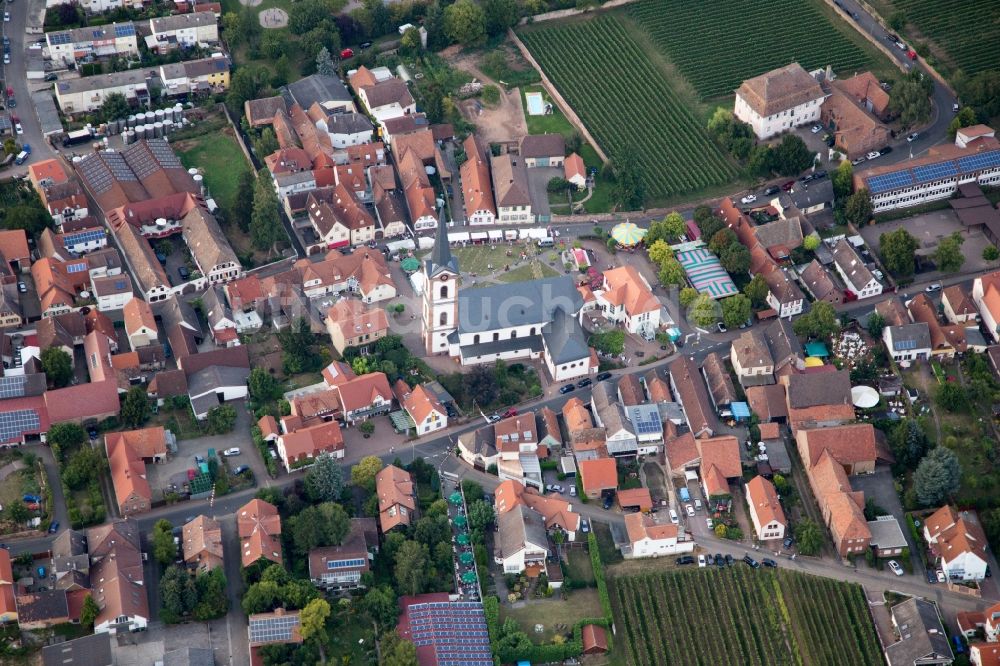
(898, 249)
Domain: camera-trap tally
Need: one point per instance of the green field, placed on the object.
(626, 102)
(716, 45)
(742, 616)
(221, 161)
(947, 22)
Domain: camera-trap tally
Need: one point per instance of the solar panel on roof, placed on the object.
(889, 181)
(13, 386)
(14, 424)
(59, 38)
(979, 161)
(924, 174)
(76, 268)
(124, 30)
(272, 629)
(83, 237)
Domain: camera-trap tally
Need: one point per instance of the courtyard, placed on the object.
(929, 229)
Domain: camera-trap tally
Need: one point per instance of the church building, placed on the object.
(537, 319)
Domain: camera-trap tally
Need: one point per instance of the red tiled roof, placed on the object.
(395, 488)
(848, 444)
(259, 525)
(639, 497)
(598, 475)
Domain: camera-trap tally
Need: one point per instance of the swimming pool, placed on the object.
(536, 104)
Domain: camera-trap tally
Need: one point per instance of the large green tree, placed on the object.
(843, 179)
(703, 311)
(164, 548)
(265, 221)
(263, 386)
(937, 477)
(898, 249)
(324, 481)
(500, 15)
(948, 255)
(735, 310)
(135, 407)
(114, 107)
(756, 290)
(629, 189)
(57, 365)
(465, 22)
(412, 567)
(858, 207)
(791, 156)
(808, 537)
(910, 100)
(820, 322)
(736, 259)
(966, 117)
(363, 473)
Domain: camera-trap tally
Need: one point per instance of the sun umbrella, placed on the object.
(410, 264)
(463, 539)
(455, 498)
(469, 577)
(466, 558)
(461, 521)
(628, 234)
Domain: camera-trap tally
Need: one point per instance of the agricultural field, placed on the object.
(717, 45)
(742, 616)
(625, 100)
(947, 22)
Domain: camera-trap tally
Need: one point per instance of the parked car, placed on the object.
(768, 562)
(754, 564)
(913, 137)
(608, 501)
(702, 562)
(896, 569)
(51, 77)
(857, 161)
(940, 576)
(816, 129)
(819, 175)
(32, 499)
(584, 383)
(931, 576)
(748, 199)
(685, 559)
(787, 543)
(572, 491)
(241, 469)
(959, 645)
(697, 505)
(509, 413)
(690, 510)
(234, 451)
(365, 45)
(788, 186)
(21, 287)
(346, 53)
(954, 107)
(774, 189)
(885, 151)
(6, 17)
(602, 376)
(729, 560)
(183, 272)
(54, 527)
(199, 459)
(674, 518)
(722, 327)
(873, 155)
(709, 523)
(584, 525)
(492, 418)
(931, 288)
(878, 274)
(719, 560)
(569, 388)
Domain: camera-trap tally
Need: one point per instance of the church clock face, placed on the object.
(444, 278)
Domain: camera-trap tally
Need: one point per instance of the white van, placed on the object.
(21, 156)
(673, 517)
(548, 241)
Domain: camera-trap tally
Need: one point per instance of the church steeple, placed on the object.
(441, 258)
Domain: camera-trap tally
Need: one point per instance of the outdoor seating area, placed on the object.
(466, 578)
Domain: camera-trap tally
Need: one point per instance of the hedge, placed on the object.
(602, 584)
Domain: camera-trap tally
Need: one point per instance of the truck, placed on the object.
(77, 137)
(21, 156)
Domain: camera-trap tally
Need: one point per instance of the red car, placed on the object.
(10, 92)
(788, 186)
(912, 54)
(346, 53)
(509, 413)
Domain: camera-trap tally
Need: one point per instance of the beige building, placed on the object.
(351, 325)
(779, 100)
(117, 39)
(86, 94)
(184, 30)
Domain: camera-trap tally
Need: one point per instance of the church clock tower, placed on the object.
(440, 305)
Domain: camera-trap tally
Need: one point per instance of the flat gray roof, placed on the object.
(48, 116)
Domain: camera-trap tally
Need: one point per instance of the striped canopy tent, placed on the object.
(628, 234)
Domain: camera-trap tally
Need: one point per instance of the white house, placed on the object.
(649, 539)
(423, 407)
(853, 272)
(765, 510)
(477, 191)
(97, 6)
(111, 292)
(184, 30)
(958, 540)
(521, 540)
(117, 39)
(909, 342)
(779, 100)
(210, 387)
(610, 415)
(627, 299)
(346, 129)
(510, 189)
(85, 94)
(986, 294)
(783, 295)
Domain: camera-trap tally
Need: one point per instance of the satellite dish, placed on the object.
(430, 170)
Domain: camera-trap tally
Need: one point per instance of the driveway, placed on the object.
(538, 181)
(880, 489)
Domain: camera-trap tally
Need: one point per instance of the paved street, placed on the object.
(15, 76)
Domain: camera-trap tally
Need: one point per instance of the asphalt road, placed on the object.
(15, 76)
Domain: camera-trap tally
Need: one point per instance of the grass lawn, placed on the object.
(554, 123)
(533, 271)
(351, 627)
(579, 565)
(606, 544)
(221, 160)
(551, 612)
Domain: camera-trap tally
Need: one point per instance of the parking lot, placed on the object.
(175, 469)
(929, 229)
